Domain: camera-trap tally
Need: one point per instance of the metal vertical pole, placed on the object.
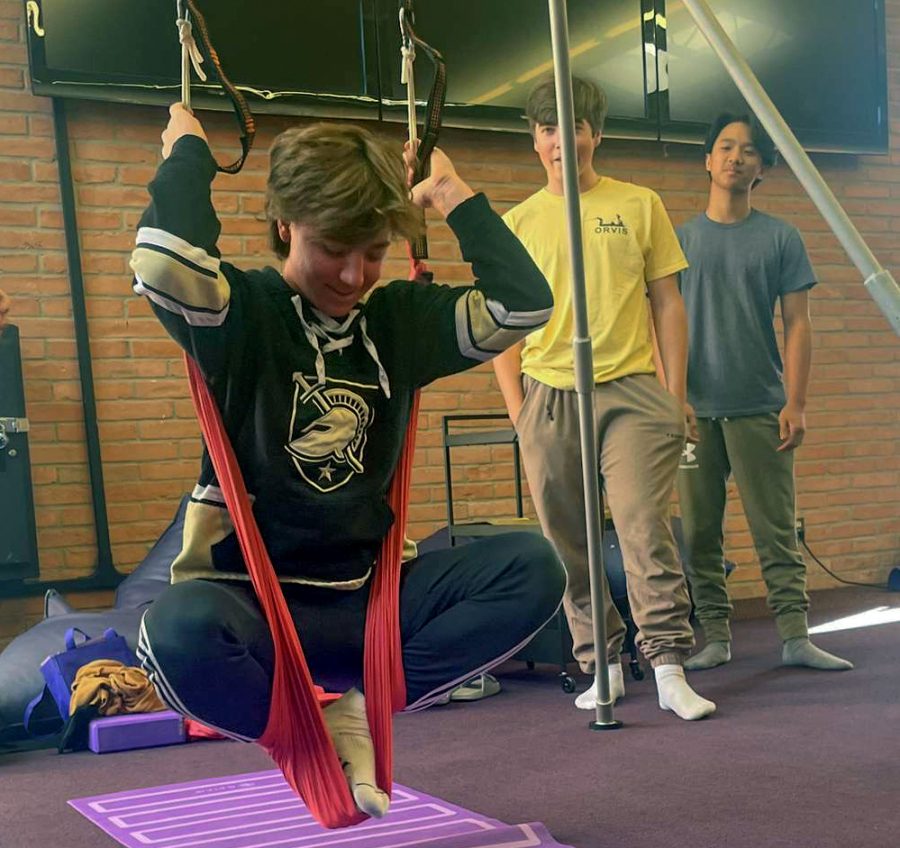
(584, 360)
(881, 285)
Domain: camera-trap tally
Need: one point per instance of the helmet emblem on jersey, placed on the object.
(327, 434)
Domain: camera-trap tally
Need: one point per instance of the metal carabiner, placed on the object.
(407, 76)
(183, 22)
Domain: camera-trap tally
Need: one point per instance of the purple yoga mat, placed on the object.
(260, 810)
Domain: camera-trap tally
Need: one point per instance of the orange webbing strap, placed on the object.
(295, 736)
(239, 105)
(418, 268)
(434, 107)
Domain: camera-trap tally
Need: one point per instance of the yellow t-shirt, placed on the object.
(628, 241)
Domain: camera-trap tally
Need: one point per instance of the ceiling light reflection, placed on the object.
(869, 618)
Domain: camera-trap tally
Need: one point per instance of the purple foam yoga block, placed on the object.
(139, 730)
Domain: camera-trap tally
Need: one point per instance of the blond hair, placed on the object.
(343, 181)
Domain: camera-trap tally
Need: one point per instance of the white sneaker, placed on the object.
(477, 688)
(482, 686)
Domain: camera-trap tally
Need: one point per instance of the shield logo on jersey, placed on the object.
(328, 430)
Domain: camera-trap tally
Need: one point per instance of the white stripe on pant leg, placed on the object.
(167, 693)
(164, 688)
(436, 695)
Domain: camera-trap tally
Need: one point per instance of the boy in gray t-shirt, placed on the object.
(749, 406)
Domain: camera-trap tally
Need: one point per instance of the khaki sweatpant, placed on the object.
(639, 428)
(746, 447)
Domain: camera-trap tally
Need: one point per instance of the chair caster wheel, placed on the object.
(637, 673)
(567, 683)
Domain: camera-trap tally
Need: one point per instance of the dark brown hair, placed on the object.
(342, 180)
(589, 101)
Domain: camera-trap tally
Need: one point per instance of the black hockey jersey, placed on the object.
(315, 407)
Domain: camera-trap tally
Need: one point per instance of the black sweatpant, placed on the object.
(463, 610)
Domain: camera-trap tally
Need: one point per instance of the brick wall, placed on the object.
(849, 469)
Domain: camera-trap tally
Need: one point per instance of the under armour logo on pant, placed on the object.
(689, 456)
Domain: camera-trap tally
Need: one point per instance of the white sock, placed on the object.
(802, 652)
(588, 700)
(676, 695)
(349, 729)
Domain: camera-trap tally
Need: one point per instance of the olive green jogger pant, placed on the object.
(745, 447)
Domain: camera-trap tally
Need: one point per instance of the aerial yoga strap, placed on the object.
(295, 735)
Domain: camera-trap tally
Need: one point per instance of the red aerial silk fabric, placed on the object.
(295, 736)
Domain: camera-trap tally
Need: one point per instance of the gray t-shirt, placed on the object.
(737, 274)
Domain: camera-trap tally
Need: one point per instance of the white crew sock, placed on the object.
(588, 700)
(349, 729)
(676, 695)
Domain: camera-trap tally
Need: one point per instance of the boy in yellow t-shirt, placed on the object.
(630, 253)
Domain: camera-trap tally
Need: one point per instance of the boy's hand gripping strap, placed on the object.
(191, 55)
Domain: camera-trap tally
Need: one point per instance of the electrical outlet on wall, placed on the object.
(800, 527)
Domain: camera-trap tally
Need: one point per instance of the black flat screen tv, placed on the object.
(823, 63)
(284, 56)
(496, 50)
